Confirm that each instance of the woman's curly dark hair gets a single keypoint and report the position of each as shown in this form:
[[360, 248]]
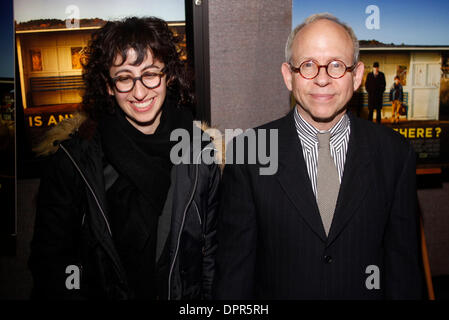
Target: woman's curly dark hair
[[116, 38]]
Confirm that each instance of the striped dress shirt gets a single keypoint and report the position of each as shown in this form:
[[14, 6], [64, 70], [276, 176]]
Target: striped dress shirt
[[309, 142]]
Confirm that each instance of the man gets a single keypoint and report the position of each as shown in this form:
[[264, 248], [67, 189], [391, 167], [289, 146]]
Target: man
[[375, 86], [334, 222]]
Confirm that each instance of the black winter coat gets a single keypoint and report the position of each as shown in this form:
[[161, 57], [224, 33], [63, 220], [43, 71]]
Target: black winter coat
[[72, 228]]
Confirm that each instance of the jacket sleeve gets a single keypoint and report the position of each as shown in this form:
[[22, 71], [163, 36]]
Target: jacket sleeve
[[56, 230], [210, 240], [237, 235], [403, 271]]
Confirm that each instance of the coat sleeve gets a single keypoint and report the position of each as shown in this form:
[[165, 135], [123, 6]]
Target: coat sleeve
[[210, 233], [56, 230], [237, 235], [403, 271]]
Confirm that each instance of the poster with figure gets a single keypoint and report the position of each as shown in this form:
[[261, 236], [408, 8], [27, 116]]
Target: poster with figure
[[36, 60], [77, 56], [393, 44]]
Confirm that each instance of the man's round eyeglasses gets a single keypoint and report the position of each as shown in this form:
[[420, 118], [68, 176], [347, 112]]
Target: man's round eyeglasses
[[150, 80], [310, 69]]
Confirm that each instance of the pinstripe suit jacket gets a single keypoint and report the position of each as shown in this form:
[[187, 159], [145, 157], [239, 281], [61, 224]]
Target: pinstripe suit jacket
[[271, 241]]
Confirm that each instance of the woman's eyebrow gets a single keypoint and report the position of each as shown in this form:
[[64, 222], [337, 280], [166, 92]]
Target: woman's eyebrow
[[123, 70], [152, 66], [147, 67]]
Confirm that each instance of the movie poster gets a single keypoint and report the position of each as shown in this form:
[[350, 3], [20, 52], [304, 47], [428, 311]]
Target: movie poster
[[51, 36], [7, 134], [409, 40]]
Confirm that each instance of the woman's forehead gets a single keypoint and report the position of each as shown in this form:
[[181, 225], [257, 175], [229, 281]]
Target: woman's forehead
[[131, 57]]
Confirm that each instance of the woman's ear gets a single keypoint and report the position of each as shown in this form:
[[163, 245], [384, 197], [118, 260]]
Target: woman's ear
[[108, 85], [110, 91], [170, 81]]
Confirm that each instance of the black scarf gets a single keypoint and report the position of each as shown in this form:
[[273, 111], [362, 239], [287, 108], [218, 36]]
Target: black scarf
[[144, 159], [137, 197]]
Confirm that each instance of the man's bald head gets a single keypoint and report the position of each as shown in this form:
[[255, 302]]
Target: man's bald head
[[317, 17]]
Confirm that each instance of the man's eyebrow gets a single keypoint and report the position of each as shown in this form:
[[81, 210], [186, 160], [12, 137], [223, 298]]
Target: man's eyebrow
[[303, 59], [146, 67]]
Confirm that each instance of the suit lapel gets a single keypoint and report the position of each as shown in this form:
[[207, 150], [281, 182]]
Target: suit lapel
[[293, 177], [355, 182]]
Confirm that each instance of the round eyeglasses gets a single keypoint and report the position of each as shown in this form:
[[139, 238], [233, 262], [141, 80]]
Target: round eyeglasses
[[150, 80], [310, 69]]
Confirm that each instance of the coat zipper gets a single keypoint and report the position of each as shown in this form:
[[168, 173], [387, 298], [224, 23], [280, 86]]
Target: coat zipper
[[197, 212], [183, 220], [96, 200], [90, 188], [180, 230]]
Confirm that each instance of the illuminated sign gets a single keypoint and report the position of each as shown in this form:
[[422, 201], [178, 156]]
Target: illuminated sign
[[416, 133], [47, 120], [430, 140]]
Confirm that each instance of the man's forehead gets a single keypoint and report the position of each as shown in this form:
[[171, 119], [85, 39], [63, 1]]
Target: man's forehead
[[323, 38], [324, 26]]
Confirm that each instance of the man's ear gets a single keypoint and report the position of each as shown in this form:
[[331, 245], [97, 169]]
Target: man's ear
[[287, 75], [358, 75]]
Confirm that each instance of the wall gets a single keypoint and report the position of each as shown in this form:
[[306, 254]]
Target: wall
[[247, 40]]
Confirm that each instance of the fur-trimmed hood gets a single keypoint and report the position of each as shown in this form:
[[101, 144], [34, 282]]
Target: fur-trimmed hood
[[82, 124]]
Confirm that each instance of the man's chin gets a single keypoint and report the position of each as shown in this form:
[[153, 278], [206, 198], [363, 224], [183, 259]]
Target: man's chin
[[327, 118]]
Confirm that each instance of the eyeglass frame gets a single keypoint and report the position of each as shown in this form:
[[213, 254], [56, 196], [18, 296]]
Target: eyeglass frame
[[326, 66], [159, 74]]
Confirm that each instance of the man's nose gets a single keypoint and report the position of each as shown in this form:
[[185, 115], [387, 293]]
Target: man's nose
[[322, 79]]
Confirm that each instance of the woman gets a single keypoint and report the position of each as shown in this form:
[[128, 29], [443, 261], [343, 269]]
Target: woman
[[112, 205]]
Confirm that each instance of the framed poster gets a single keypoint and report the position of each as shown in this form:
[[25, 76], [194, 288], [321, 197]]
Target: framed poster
[[36, 59], [77, 55]]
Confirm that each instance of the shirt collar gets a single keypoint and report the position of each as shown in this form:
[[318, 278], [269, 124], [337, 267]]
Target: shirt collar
[[310, 132]]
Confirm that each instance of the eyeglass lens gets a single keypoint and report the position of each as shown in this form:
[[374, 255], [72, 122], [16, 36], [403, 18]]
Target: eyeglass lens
[[310, 69], [127, 83]]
